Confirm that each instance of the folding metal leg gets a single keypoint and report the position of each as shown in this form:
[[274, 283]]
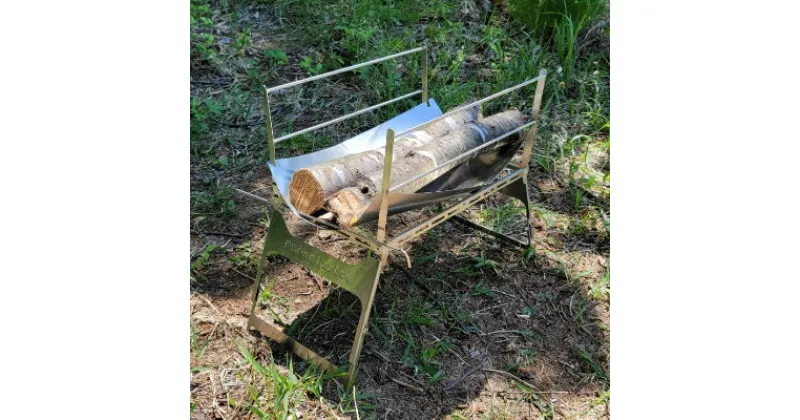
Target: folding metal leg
[[360, 279], [363, 322], [519, 190]]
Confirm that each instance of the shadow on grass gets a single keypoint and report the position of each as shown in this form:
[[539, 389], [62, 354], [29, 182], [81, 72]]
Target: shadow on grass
[[472, 320]]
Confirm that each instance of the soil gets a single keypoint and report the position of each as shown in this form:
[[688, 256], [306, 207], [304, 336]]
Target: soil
[[525, 321]]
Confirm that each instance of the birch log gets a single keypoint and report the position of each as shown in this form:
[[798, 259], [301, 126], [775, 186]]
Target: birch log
[[310, 187], [349, 203]]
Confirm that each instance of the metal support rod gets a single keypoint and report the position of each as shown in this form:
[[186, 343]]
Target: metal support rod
[[295, 346], [270, 133], [461, 156], [253, 196], [387, 173], [478, 102], [261, 272], [343, 70], [537, 102], [344, 117], [425, 77], [484, 229]]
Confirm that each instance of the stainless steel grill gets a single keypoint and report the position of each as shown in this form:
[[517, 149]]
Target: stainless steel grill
[[471, 177]]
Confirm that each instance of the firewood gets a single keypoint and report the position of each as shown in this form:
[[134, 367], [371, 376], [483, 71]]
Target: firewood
[[349, 203], [310, 187]]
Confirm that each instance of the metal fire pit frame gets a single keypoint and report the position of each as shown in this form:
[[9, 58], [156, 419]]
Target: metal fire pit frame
[[362, 279]]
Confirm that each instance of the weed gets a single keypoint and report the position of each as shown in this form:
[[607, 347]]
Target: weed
[[467, 270], [502, 217], [547, 163], [599, 289], [545, 296], [244, 257], [426, 258], [481, 290], [598, 120], [357, 403], [202, 43], [523, 358], [545, 16], [597, 370], [217, 202], [604, 398], [529, 254], [285, 390], [200, 14], [203, 47], [275, 58], [308, 65], [255, 77], [205, 255], [422, 358], [550, 218], [198, 349], [564, 37], [419, 313], [481, 262], [242, 42], [200, 114], [577, 196], [305, 143], [455, 317], [266, 293]]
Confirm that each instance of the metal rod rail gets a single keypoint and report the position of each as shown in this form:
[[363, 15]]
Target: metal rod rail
[[461, 156], [478, 102], [343, 70], [344, 117], [484, 229], [268, 114]]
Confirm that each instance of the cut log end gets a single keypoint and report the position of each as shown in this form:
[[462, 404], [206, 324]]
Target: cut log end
[[306, 192], [346, 204]]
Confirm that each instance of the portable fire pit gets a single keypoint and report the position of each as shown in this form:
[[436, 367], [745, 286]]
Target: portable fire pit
[[471, 177]]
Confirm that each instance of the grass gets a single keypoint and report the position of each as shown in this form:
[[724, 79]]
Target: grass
[[560, 21], [205, 255], [236, 47], [275, 394], [422, 358], [596, 370], [198, 348], [501, 217], [600, 288]]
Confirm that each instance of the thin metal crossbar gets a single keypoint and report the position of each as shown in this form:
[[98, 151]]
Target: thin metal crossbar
[[344, 117], [344, 70]]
